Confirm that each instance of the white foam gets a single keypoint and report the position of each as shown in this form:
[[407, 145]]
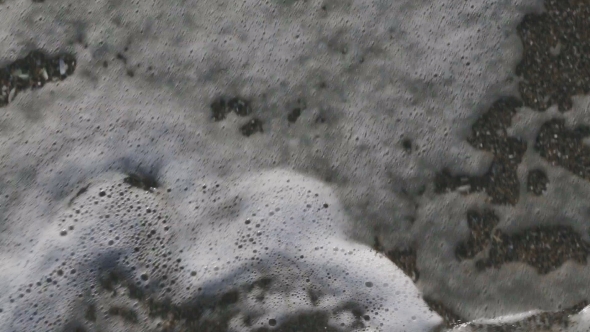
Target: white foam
[[298, 245]]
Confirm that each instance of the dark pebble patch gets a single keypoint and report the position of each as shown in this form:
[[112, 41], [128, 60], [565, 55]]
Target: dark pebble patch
[[537, 182], [222, 106], [219, 109], [251, 127], [545, 248], [489, 133], [33, 72], [481, 226], [148, 183], [555, 64], [565, 147], [239, 106]]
